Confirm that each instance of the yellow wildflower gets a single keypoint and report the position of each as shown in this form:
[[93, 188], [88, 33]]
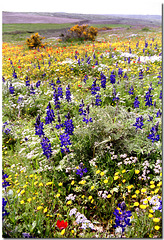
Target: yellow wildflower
[[82, 182], [45, 210], [49, 183], [143, 190], [142, 206], [98, 171], [137, 191], [116, 177], [109, 196], [62, 232], [136, 204], [23, 191], [40, 207], [156, 220], [157, 228], [106, 181], [72, 183]]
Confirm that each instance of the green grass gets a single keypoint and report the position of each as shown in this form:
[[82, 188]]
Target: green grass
[[111, 25], [26, 27]]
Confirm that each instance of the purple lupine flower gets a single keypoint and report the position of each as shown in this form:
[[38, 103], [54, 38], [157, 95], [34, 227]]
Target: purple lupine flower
[[11, 89], [148, 99], [80, 171], [120, 72], [141, 74], [69, 127], [159, 113], [46, 146], [81, 108], [56, 100], [65, 142], [14, 74], [60, 92], [95, 88], [153, 136], [112, 77], [146, 44], [39, 127], [38, 83], [26, 235], [122, 216], [5, 183], [68, 93], [50, 115], [136, 102], [60, 125], [85, 78], [87, 119], [88, 60], [115, 98], [139, 122], [103, 80], [4, 211], [58, 81], [150, 118], [27, 83], [131, 90], [32, 91], [160, 97], [98, 100], [7, 131], [125, 76]]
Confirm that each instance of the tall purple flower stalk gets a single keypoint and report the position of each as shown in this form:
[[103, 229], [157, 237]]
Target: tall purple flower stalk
[[139, 122], [39, 127], [46, 146], [69, 127], [122, 216], [68, 94], [153, 136], [65, 142], [50, 115], [87, 119], [103, 80]]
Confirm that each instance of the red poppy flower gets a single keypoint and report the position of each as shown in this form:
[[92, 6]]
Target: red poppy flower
[[61, 224], [79, 86]]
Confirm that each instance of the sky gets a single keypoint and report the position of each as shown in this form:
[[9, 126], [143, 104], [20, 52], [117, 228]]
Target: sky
[[143, 7]]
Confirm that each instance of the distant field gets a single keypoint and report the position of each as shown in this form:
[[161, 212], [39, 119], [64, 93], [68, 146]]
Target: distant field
[[111, 25], [28, 27]]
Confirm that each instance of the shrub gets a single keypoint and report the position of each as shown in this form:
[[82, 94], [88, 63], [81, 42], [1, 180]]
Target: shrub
[[83, 32], [35, 41]]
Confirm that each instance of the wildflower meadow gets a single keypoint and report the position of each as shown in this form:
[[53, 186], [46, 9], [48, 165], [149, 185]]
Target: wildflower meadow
[[82, 137]]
